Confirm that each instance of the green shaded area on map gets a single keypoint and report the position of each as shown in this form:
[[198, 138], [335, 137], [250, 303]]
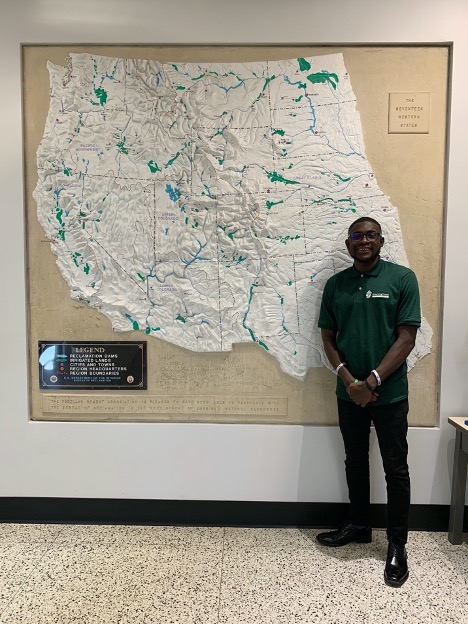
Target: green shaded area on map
[[101, 95], [303, 64], [323, 77], [273, 176]]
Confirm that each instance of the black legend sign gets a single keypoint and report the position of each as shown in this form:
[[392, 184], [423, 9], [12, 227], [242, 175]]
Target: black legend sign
[[67, 365]]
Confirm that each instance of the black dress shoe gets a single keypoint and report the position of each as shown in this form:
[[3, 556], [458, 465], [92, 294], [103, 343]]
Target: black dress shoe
[[396, 568], [348, 533]]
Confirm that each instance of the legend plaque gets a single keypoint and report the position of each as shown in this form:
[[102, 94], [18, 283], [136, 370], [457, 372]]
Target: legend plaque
[[66, 365]]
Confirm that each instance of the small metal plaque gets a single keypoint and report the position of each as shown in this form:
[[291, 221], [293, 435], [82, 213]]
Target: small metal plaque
[[66, 365]]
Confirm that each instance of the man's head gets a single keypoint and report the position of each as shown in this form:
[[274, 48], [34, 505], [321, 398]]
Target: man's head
[[365, 240]]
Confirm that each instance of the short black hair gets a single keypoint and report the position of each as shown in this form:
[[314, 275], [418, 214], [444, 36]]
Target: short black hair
[[364, 219]]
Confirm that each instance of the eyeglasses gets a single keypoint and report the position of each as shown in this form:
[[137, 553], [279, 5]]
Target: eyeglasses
[[371, 236]]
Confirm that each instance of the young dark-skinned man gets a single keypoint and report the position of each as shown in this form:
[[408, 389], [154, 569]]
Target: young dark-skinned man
[[369, 318]]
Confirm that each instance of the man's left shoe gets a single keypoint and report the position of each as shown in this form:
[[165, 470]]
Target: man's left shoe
[[396, 568]]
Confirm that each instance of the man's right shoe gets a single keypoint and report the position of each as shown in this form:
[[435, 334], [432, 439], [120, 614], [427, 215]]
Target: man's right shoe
[[396, 567], [345, 535]]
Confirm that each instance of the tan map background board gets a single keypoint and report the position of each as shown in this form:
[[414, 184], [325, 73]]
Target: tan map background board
[[247, 385]]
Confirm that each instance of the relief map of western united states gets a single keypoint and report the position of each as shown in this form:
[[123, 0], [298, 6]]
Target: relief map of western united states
[[207, 204]]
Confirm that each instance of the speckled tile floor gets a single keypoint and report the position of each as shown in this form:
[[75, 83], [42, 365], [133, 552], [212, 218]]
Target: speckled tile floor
[[64, 574]]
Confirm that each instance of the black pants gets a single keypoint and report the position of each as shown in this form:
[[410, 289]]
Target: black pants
[[391, 425]]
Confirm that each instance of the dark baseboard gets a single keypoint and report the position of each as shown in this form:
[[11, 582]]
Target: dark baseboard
[[206, 513]]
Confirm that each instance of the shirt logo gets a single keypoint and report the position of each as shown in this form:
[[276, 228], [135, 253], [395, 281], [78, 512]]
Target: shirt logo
[[372, 295]]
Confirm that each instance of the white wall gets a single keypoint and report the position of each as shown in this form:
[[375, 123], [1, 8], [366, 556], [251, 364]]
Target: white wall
[[223, 462]]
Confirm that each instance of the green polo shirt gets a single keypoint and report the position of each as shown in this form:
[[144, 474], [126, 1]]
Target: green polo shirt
[[365, 309]]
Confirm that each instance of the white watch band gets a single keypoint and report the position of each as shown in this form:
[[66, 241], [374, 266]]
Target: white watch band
[[377, 376]]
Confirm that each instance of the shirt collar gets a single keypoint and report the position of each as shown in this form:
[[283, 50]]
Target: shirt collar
[[373, 272]]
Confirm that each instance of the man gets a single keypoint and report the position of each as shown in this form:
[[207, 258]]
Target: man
[[369, 318]]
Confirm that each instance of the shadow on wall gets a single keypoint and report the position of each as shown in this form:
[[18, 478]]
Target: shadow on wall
[[319, 445]]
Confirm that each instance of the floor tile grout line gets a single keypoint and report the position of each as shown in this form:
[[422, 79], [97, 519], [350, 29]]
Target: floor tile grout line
[[49, 545], [221, 576]]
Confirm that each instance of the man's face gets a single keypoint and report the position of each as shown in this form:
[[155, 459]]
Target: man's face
[[360, 246]]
